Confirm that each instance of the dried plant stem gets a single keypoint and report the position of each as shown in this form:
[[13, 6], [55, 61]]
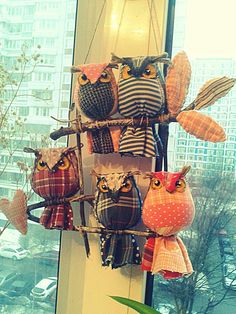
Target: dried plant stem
[[93, 125], [4, 227]]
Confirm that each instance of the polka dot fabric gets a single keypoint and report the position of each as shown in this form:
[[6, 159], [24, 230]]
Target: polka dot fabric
[[167, 209]]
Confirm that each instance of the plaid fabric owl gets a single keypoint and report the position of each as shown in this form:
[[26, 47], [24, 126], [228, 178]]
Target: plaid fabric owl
[[96, 97], [140, 95], [118, 206], [167, 209], [55, 176]]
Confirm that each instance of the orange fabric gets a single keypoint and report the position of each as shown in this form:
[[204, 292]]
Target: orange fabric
[[201, 126], [148, 254], [177, 82], [115, 135], [170, 258], [15, 211]]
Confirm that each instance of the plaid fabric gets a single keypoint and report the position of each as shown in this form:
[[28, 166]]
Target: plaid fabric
[[119, 250], [170, 258], [177, 82], [15, 211], [123, 213], [148, 254], [201, 126], [138, 142], [57, 217], [56, 184], [102, 141]]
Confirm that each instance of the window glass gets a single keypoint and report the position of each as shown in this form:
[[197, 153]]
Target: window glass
[[204, 30], [34, 36]]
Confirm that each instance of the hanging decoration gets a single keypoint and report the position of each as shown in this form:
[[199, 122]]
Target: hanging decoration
[[140, 94], [55, 176], [15, 211], [117, 206], [167, 209], [95, 96]]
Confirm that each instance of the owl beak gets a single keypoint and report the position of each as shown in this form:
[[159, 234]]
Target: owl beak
[[115, 196]]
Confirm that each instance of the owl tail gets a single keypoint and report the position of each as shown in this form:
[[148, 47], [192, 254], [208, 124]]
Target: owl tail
[[170, 257], [138, 142], [100, 141], [57, 217], [119, 250]]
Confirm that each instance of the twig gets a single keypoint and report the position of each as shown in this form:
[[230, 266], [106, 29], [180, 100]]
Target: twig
[[4, 227], [108, 231]]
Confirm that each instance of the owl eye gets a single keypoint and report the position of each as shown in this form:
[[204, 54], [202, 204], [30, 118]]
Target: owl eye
[[150, 72], [83, 80], [105, 77], [63, 164], [126, 72], [102, 185], [180, 185], [41, 165], [156, 184], [126, 186]]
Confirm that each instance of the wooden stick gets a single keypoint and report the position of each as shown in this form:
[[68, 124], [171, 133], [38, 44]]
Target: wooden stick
[[4, 227], [109, 231], [93, 125]]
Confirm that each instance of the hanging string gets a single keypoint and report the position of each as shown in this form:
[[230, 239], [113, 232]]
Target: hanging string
[[119, 26], [153, 27], [95, 30], [157, 24], [149, 30]]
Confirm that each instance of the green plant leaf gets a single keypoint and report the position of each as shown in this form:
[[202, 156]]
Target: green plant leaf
[[137, 306]]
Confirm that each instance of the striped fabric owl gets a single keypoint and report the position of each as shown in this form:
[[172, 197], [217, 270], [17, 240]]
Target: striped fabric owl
[[168, 208], [96, 97], [140, 94], [118, 206], [54, 177]]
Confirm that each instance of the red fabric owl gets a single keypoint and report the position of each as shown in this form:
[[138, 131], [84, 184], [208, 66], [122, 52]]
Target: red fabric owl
[[167, 209], [54, 177]]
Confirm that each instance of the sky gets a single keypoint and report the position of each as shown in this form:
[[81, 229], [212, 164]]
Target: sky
[[211, 28]]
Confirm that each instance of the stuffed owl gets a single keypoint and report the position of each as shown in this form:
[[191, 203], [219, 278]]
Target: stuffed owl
[[118, 206], [96, 97], [140, 95], [55, 176], [167, 209]]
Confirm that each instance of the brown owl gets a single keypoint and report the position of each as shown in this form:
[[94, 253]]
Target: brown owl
[[167, 209], [96, 97], [55, 176]]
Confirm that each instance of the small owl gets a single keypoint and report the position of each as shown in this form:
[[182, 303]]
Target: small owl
[[140, 95], [96, 97], [118, 206], [54, 177], [167, 209]]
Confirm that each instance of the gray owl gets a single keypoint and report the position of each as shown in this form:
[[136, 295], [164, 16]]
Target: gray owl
[[96, 97], [118, 206], [140, 95]]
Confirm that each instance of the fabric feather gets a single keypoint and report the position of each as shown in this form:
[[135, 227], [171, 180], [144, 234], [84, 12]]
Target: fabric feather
[[201, 126], [211, 91], [177, 82]]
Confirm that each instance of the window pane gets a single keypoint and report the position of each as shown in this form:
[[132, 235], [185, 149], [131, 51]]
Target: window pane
[[36, 45], [206, 37]]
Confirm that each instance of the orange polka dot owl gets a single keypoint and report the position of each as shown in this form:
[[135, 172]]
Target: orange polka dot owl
[[167, 209]]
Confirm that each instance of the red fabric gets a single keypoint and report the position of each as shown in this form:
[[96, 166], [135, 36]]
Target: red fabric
[[148, 254]]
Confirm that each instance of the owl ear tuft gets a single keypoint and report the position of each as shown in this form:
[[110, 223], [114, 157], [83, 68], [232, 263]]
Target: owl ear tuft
[[113, 65], [134, 173], [75, 69], [185, 170], [148, 175], [163, 58], [31, 151], [94, 173], [115, 59]]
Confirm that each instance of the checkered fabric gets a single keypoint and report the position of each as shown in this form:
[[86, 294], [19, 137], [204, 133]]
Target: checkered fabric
[[52, 184], [122, 213], [102, 141], [201, 126], [57, 217], [166, 211], [139, 97]]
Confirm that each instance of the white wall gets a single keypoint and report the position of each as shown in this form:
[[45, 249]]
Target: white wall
[[84, 285]]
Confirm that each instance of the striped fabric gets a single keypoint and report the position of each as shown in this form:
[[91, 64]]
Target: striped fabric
[[52, 185], [139, 97], [213, 90], [201, 126], [123, 213]]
